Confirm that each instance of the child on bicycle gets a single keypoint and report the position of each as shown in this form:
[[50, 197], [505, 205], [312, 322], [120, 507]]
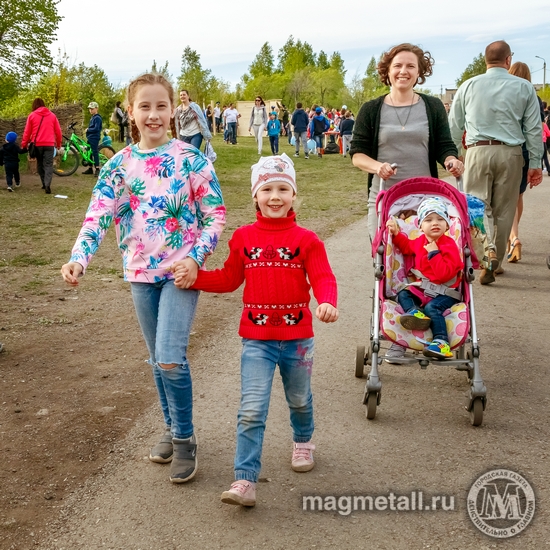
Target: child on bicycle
[[167, 205], [93, 135], [278, 260], [437, 260]]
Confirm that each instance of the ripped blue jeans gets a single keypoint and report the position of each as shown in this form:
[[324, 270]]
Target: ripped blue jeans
[[258, 363], [165, 314]]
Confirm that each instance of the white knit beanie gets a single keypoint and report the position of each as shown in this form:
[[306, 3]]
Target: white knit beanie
[[270, 169]]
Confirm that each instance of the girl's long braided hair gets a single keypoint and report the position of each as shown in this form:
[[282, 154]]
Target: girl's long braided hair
[[148, 79]]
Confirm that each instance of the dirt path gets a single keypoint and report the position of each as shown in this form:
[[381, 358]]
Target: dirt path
[[421, 439]]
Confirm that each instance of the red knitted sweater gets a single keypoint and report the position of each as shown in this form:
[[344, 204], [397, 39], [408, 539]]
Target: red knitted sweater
[[276, 257]]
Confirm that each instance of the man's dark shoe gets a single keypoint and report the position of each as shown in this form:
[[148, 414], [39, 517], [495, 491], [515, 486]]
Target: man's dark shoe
[[184, 461], [48, 190], [90, 171]]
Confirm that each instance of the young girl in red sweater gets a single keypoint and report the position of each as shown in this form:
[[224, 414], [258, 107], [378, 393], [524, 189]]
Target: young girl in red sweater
[[278, 260]]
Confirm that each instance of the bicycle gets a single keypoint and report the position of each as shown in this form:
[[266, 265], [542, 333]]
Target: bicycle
[[69, 156]]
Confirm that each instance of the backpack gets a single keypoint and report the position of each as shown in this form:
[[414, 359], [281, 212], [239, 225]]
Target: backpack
[[332, 148]]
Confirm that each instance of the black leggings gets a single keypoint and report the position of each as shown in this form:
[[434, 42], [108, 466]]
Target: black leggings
[[545, 157]]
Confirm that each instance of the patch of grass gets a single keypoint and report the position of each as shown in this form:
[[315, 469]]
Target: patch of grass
[[38, 229], [24, 260]]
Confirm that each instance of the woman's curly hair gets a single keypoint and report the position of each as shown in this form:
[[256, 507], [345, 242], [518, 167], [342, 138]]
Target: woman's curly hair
[[425, 62]]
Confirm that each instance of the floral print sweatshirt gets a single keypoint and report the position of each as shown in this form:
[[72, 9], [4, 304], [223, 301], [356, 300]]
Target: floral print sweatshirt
[[166, 203]]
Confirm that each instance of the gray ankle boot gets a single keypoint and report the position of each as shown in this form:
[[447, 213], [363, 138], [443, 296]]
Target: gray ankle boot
[[162, 452], [184, 460]]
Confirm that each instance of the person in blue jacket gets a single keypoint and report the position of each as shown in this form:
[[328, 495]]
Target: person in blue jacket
[[273, 131], [299, 122], [93, 135], [9, 158], [317, 127]]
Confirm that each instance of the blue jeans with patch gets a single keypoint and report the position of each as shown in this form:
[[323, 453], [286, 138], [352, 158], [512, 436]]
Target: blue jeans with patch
[[434, 309], [258, 363], [165, 314]]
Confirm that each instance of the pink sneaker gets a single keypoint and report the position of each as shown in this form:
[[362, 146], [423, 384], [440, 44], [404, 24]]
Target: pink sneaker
[[241, 492], [302, 457]]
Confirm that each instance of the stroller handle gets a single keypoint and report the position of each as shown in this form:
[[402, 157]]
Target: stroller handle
[[382, 181], [459, 183]]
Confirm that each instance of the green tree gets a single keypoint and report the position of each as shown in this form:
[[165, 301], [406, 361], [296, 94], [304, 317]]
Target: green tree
[[337, 63], [294, 56], [300, 86], [372, 86], [26, 30], [327, 85], [264, 63], [322, 61], [163, 70], [476, 67], [67, 83], [200, 82]]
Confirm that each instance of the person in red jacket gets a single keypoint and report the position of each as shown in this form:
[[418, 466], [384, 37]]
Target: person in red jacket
[[42, 129], [436, 260], [279, 262]]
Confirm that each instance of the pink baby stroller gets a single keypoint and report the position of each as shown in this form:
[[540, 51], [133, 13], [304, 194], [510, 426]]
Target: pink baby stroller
[[391, 270]]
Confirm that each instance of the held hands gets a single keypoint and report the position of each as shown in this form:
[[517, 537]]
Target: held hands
[[326, 313], [385, 171], [454, 166], [185, 272], [71, 272]]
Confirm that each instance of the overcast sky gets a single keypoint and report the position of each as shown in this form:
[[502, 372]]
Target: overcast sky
[[123, 37]]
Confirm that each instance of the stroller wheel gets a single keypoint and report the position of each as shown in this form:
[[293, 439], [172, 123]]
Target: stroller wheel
[[476, 412], [360, 362], [372, 402]]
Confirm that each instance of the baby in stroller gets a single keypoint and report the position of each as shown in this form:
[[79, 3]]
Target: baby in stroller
[[437, 269]]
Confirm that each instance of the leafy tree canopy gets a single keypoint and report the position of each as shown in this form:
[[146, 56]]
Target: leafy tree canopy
[[475, 68], [322, 61], [66, 82], [26, 30], [294, 56], [263, 63]]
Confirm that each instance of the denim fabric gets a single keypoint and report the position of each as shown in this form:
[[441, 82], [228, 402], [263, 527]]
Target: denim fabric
[[434, 309], [232, 135], [94, 146], [274, 142], [319, 141], [301, 136], [258, 362], [165, 314], [195, 140]]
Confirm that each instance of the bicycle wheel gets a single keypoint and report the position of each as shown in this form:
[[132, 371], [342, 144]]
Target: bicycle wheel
[[106, 152], [66, 161]]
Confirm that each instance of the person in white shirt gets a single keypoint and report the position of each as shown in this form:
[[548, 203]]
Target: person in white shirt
[[231, 117]]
